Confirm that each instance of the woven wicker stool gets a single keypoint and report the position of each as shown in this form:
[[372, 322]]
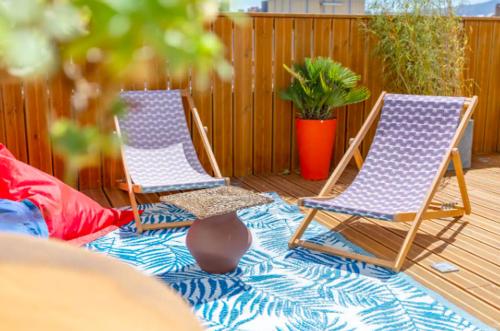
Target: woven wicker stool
[[217, 239]]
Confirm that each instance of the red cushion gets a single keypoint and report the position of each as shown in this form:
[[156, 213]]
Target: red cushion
[[68, 213]]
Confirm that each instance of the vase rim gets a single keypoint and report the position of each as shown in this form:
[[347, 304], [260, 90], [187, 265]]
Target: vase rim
[[315, 120]]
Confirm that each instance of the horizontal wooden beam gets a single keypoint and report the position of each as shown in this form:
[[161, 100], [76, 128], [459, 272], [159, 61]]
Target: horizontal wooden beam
[[122, 185], [430, 214], [337, 16], [335, 251], [166, 225]]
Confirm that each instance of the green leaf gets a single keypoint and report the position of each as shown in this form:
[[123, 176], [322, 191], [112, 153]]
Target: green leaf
[[28, 52], [63, 21]]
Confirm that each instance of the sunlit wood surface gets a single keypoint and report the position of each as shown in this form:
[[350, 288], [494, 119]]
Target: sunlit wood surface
[[471, 243], [48, 285]]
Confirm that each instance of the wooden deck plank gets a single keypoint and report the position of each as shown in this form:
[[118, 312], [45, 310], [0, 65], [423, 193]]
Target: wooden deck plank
[[118, 198], [147, 198]]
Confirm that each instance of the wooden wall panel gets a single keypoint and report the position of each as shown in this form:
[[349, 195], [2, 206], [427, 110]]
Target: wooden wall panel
[[302, 48], [60, 106], [3, 134], [14, 122], [182, 83], [202, 98], [157, 80], [359, 58], [223, 104], [250, 127], [263, 97], [283, 112], [112, 170], [112, 166], [322, 37], [37, 125], [482, 72], [495, 82], [491, 94], [91, 177], [373, 80], [341, 29], [243, 100]]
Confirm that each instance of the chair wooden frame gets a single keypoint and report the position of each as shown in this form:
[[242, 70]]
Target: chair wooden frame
[[428, 210], [132, 189]]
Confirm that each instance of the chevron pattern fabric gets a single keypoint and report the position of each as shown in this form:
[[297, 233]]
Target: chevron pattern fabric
[[275, 288], [410, 143], [158, 150]]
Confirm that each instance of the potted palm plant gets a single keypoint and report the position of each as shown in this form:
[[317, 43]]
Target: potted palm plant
[[318, 86]]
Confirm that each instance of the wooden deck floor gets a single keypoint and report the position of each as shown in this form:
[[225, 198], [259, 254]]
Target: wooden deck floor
[[472, 243]]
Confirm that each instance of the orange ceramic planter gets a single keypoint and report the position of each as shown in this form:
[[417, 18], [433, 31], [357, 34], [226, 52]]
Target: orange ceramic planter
[[315, 141]]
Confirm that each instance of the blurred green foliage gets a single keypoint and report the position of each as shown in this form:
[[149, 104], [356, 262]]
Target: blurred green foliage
[[101, 45]]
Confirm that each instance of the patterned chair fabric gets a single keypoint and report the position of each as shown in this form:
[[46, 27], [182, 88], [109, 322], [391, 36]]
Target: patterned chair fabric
[[158, 149], [412, 137]]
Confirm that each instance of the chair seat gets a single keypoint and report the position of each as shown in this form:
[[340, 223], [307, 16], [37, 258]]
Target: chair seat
[[358, 207], [375, 196], [412, 138], [166, 169], [207, 182]]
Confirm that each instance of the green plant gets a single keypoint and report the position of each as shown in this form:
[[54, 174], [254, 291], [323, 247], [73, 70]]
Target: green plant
[[319, 85], [422, 46], [102, 45]]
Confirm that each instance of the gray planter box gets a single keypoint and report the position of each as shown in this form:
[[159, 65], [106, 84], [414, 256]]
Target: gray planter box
[[465, 147]]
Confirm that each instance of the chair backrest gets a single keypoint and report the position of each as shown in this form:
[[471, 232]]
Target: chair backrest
[[412, 138], [156, 120]]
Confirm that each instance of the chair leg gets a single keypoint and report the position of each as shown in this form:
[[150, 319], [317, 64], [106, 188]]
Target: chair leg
[[392, 264], [343, 253], [405, 248], [459, 172], [302, 228], [135, 211]]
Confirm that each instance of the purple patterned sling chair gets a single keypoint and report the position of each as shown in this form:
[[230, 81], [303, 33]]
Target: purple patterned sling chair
[[157, 150], [416, 138]]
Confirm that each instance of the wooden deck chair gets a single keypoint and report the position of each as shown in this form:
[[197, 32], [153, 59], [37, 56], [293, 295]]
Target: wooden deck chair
[[415, 140], [157, 151]]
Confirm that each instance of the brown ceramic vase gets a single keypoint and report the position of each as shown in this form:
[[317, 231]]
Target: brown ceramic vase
[[217, 243]]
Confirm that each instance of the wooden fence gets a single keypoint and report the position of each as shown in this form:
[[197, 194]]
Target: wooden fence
[[250, 127]]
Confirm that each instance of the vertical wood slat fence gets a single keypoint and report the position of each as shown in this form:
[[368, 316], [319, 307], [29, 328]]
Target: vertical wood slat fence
[[250, 127]]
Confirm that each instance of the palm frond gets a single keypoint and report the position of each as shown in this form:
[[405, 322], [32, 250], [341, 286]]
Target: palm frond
[[319, 85]]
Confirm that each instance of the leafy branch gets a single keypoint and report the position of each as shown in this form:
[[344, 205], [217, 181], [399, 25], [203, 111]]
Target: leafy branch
[[101, 46]]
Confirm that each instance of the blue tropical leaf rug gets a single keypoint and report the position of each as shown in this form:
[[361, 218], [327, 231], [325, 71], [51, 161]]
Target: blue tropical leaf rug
[[279, 289]]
